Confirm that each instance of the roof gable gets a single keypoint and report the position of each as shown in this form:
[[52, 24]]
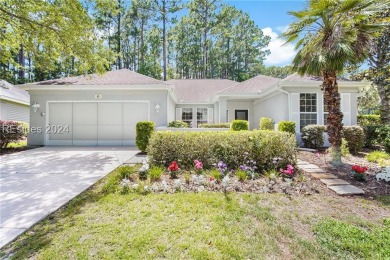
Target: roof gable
[[253, 85], [13, 93]]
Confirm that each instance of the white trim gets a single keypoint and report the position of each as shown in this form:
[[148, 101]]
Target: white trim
[[2, 97], [85, 142]]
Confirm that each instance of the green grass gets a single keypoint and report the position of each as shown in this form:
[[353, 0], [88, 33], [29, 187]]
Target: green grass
[[102, 223], [17, 144]]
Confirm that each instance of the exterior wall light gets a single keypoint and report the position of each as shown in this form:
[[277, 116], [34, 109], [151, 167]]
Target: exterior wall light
[[157, 108], [35, 107]]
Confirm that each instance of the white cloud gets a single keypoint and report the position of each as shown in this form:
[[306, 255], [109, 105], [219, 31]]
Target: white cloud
[[280, 55]]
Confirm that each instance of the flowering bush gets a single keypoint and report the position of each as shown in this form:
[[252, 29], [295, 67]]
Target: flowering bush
[[249, 166], [143, 171], [222, 167], [289, 171], [359, 172], [198, 166], [173, 169]]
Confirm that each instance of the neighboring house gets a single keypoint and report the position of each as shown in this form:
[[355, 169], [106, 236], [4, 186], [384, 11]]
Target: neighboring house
[[103, 110], [14, 103]]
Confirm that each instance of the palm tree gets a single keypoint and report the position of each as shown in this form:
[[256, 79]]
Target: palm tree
[[330, 35]]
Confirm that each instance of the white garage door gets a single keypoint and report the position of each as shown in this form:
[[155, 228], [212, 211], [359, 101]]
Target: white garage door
[[94, 123]]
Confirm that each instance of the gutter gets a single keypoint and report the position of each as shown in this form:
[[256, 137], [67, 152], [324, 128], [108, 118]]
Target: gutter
[[288, 100]]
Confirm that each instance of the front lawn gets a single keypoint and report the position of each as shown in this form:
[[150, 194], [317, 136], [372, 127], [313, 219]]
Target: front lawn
[[206, 225]]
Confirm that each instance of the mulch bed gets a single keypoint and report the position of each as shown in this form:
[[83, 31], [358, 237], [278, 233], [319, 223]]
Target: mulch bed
[[371, 186]]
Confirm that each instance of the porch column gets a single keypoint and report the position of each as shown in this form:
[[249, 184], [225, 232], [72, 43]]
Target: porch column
[[222, 110]]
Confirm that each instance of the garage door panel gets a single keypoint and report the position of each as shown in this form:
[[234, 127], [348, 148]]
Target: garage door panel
[[110, 132], [60, 113], [135, 112], [85, 132], [110, 113], [129, 132], [59, 133], [85, 113]]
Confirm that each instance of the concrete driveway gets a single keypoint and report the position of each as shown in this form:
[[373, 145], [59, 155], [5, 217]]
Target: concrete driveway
[[36, 182]]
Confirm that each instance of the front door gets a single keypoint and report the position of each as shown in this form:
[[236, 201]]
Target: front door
[[241, 115]]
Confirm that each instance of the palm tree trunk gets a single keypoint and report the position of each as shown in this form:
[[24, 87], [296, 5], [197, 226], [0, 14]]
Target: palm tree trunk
[[335, 117]]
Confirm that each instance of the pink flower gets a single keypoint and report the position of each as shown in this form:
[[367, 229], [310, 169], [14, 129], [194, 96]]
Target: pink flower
[[198, 165]]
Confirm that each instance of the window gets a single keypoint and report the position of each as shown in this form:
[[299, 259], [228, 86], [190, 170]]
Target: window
[[201, 116], [241, 115], [308, 109], [187, 116]]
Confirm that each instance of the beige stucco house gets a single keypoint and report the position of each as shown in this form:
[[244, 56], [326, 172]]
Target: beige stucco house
[[103, 109]]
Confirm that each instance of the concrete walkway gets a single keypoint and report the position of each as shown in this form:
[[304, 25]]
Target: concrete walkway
[[36, 182], [339, 186]]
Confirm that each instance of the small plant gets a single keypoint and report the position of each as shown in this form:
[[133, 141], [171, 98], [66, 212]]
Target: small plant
[[222, 167], [187, 178], [143, 171], [216, 174], [241, 175], [143, 132], [313, 136], [126, 172], [155, 173], [359, 172], [249, 166], [198, 166], [272, 174], [239, 125], [173, 169], [287, 126], [376, 156], [178, 124], [266, 123], [288, 172]]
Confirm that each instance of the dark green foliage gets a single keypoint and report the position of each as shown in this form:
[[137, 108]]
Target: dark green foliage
[[384, 136], [287, 126], [227, 146], [12, 131], [240, 125], [178, 124], [313, 136], [371, 135], [217, 125], [266, 123], [143, 130], [364, 120], [354, 135]]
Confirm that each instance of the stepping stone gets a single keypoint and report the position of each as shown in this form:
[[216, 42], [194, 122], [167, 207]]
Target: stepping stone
[[332, 182], [299, 162], [308, 166], [346, 189], [314, 170], [323, 176]]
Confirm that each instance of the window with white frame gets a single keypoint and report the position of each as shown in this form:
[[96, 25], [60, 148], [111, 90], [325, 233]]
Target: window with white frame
[[308, 109], [201, 116], [187, 116]]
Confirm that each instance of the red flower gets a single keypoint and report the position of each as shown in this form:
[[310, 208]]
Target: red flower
[[173, 166], [359, 169]]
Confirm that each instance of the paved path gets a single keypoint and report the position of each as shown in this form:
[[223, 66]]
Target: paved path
[[339, 186], [36, 182]]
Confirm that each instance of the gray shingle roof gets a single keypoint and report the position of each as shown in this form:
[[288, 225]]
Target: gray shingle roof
[[297, 77], [250, 86], [199, 90], [116, 77], [11, 92]]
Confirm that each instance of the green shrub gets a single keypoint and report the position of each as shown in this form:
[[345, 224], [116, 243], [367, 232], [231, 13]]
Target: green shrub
[[217, 175], [240, 125], [12, 131], [219, 125], [115, 177], [143, 131], [241, 175], [287, 126], [364, 120], [229, 147], [125, 172], [376, 156], [155, 173], [313, 136], [178, 124], [384, 136], [354, 135], [371, 135], [266, 123]]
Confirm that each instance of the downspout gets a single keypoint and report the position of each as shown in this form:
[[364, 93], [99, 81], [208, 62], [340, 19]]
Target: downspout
[[288, 100]]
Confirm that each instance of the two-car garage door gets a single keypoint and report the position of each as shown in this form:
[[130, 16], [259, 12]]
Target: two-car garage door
[[94, 123]]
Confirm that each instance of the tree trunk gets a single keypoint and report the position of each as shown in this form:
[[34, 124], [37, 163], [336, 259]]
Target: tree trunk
[[164, 40], [22, 64], [119, 36], [335, 117], [384, 94]]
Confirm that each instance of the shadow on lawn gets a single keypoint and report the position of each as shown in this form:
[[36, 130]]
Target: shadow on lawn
[[40, 235]]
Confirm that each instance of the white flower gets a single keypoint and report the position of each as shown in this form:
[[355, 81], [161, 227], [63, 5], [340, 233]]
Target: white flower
[[200, 188], [145, 166], [155, 187], [164, 185], [135, 186], [146, 188], [177, 184], [225, 181], [125, 182]]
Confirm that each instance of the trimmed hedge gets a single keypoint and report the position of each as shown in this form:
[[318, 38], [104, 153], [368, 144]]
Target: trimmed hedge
[[12, 131], [384, 136], [217, 125], [354, 135], [178, 124], [313, 136], [287, 126], [364, 120], [240, 125], [371, 135], [230, 147], [144, 130], [266, 123]]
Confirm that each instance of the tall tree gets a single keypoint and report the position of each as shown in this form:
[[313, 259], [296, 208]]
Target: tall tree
[[330, 35]]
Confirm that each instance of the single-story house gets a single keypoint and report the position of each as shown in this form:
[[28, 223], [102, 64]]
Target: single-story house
[[103, 109], [14, 103]]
